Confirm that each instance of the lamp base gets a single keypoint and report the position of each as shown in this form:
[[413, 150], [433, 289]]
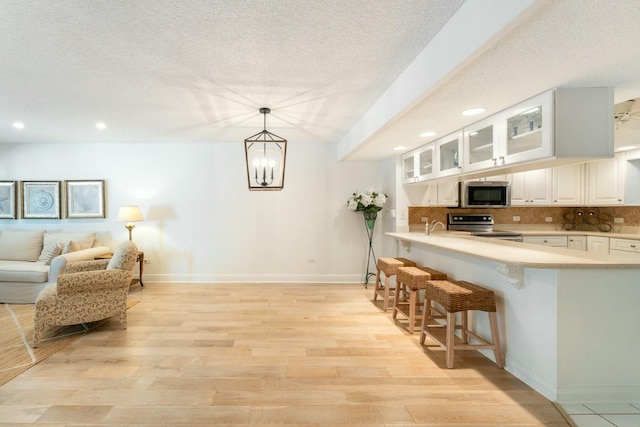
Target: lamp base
[[129, 227]]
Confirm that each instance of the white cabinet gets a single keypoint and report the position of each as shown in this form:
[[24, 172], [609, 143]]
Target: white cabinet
[[481, 141], [605, 181], [449, 155], [577, 242], [556, 241], [567, 185], [627, 248], [531, 188], [559, 124], [598, 244], [417, 165], [448, 193]]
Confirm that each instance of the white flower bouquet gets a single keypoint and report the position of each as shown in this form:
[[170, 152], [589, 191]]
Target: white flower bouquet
[[368, 202]]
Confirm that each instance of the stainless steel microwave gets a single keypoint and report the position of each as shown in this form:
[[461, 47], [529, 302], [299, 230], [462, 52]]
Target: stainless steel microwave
[[485, 194]]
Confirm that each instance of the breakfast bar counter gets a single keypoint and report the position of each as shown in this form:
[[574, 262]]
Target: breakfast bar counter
[[570, 319]]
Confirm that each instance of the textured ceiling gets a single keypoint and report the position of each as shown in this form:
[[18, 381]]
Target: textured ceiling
[[198, 70]]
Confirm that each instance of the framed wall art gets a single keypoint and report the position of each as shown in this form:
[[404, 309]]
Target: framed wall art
[[8, 200], [84, 199], [40, 199]]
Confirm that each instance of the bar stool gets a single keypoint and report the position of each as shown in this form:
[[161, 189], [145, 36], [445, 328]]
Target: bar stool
[[388, 267], [460, 296], [411, 280]]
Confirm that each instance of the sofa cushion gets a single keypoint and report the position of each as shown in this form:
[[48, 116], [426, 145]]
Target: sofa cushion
[[23, 271], [82, 241], [53, 252], [21, 245]]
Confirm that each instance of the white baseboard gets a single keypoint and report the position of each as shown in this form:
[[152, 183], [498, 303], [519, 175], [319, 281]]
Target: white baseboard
[[254, 278]]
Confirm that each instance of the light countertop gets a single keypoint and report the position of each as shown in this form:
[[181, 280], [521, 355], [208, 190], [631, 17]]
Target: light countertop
[[518, 253]]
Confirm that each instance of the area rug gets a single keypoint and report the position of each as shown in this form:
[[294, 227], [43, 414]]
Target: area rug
[[16, 332]]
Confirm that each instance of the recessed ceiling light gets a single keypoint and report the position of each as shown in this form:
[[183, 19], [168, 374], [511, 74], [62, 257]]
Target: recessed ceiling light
[[428, 134], [101, 126], [473, 111], [400, 148], [18, 125]]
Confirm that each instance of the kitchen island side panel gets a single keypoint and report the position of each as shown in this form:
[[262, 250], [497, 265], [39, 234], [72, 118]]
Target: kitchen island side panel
[[599, 335]]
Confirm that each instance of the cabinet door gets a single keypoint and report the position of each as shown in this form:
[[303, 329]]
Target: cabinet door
[[577, 242], [409, 168], [448, 194], [529, 133], [531, 188], [606, 181], [448, 155], [480, 141], [425, 163], [568, 185], [597, 244]]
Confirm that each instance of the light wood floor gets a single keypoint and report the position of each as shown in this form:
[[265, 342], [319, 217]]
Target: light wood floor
[[238, 354]]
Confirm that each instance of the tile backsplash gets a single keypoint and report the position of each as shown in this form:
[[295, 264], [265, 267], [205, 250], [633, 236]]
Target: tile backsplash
[[535, 216]]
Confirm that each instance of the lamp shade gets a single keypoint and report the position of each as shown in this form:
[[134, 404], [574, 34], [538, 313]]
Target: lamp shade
[[130, 214]]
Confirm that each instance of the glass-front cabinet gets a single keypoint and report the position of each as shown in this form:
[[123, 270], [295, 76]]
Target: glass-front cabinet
[[519, 134], [482, 141], [449, 155], [417, 165], [529, 130]]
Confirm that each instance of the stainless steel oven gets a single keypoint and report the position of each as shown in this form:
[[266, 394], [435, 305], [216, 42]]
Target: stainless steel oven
[[480, 225]]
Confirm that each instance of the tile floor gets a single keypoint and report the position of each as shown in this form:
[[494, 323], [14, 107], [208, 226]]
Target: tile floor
[[604, 414]]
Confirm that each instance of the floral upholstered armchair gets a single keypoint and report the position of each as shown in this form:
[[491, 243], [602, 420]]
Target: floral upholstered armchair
[[87, 291]]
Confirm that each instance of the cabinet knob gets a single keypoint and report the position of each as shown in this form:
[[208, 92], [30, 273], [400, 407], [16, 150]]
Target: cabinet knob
[[619, 200], [545, 241], [633, 246]]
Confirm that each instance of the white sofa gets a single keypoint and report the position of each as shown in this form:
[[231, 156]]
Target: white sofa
[[31, 259]]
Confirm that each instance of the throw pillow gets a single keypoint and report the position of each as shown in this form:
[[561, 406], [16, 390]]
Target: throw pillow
[[54, 251], [70, 246], [83, 239], [20, 245]]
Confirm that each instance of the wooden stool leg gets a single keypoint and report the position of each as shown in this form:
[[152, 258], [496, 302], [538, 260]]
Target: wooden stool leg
[[465, 326], [495, 336], [396, 299], [387, 281], [450, 331], [412, 309], [426, 318], [377, 286]]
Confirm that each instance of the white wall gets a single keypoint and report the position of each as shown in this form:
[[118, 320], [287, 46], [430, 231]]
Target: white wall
[[201, 222]]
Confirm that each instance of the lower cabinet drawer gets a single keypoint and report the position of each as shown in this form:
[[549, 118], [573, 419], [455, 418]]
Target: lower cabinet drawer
[[626, 245], [559, 241]]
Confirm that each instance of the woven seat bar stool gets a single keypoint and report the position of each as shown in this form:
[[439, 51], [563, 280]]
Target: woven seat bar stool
[[388, 267], [460, 296], [411, 280]]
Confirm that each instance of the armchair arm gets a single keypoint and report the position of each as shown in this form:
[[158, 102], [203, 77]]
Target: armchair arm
[[86, 281], [59, 263], [76, 267]]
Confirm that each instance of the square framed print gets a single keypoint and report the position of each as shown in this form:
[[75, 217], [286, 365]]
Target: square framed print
[[8, 200], [85, 199], [40, 199]]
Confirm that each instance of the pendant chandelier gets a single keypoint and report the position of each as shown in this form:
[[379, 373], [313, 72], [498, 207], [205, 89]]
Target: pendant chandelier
[[265, 155]]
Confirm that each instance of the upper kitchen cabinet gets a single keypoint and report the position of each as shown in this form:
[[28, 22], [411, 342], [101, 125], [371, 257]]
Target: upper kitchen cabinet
[[481, 142], [567, 185], [605, 181], [417, 165], [531, 188], [448, 155], [565, 124]]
